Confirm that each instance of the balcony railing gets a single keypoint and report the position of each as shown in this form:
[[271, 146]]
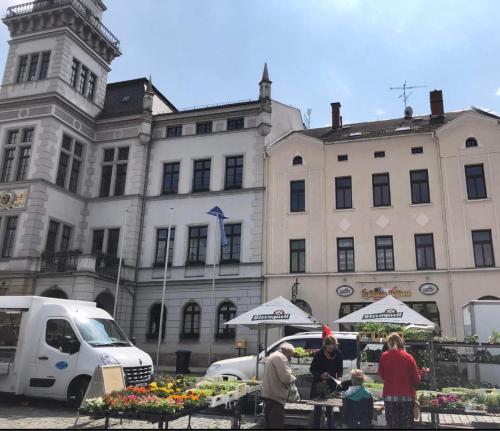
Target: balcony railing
[[59, 262], [106, 265], [84, 11]]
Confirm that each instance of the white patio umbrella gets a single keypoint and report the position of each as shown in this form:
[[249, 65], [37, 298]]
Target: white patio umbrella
[[277, 312], [387, 310]]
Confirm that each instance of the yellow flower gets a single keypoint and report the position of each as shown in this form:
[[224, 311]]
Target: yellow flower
[[153, 385]]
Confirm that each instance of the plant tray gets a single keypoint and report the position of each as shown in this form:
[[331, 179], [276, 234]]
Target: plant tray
[[218, 400], [252, 389]]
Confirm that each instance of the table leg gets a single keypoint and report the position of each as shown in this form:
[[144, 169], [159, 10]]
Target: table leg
[[106, 422], [189, 423]]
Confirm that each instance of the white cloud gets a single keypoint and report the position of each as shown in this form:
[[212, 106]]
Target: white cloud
[[498, 91]]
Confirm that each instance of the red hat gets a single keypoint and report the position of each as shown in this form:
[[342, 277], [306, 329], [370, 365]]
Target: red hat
[[326, 331]]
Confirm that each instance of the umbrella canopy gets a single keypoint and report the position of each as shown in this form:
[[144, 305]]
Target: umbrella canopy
[[277, 312], [387, 310]]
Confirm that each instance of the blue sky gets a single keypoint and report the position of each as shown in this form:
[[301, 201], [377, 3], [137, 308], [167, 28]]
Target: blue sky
[[318, 51]]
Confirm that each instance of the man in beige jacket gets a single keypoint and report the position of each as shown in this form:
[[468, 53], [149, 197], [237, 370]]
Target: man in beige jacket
[[275, 386]]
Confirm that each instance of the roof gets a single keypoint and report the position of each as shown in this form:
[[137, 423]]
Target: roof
[[384, 128], [126, 98]]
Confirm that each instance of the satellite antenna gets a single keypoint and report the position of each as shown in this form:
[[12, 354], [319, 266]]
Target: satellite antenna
[[405, 96]]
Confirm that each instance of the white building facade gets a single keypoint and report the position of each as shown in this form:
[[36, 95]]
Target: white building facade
[[89, 168]]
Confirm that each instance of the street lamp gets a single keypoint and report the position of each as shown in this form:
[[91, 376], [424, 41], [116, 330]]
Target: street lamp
[[295, 289]]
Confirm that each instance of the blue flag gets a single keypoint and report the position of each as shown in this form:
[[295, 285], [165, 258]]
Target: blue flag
[[217, 212]]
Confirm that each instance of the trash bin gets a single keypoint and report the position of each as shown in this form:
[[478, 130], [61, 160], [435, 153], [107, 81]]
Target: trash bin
[[182, 361]]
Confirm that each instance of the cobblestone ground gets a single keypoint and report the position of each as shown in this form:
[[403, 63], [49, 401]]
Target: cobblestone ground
[[18, 413]]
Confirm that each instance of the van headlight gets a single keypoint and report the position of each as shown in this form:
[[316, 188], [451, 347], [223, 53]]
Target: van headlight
[[108, 360]]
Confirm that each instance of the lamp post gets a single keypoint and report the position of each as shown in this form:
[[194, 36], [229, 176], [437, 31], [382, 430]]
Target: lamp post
[[295, 289]]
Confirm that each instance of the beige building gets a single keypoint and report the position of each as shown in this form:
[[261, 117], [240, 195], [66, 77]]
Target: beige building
[[410, 205]]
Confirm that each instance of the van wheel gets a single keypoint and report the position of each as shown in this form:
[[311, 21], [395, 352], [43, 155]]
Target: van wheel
[[77, 390]]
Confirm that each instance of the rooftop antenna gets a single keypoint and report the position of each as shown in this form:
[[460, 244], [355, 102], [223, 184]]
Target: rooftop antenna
[[307, 118], [405, 96]]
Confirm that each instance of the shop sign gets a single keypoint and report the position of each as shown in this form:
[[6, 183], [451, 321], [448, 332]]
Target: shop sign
[[277, 315], [345, 291], [428, 289], [378, 293]]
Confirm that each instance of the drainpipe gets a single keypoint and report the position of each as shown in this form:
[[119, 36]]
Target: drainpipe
[[141, 231], [446, 240]]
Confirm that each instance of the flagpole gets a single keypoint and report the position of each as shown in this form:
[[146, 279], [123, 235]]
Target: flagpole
[[120, 264], [212, 314], [160, 331]]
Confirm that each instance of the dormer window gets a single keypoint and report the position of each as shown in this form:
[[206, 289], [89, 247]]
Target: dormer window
[[470, 142], [297, 160]]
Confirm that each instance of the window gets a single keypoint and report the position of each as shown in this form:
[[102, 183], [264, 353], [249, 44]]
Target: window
[[297, 160], [424, 251], [379, 154], [171, 178], [113, 240], [234, 172], [21, 72], [297, 196], [33, 67], [348, 308], [384, 253], [483, 248], [343, 193], [298, 255], [58, 237], [470, 142], [154, 322], [476, 186], [231, 252], [97, 241], [91, 86], [201, 177], [9, 236], [345, 254], [174, 131], [44, 67], [417, 150], [13, 149], [235, 123], [114, 171], [342, 158], [419, 183], [70, 161], [427, 309], [74, 72], [381, 190], [202, 128], [197, 246], [225, 313], [82, 84], [58, 332], [161, 246], [191, 321]]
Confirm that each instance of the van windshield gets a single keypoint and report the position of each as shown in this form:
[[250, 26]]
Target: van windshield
[[101, 332]]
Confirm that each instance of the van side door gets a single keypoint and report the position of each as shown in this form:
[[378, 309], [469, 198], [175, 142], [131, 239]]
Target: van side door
[[55, 361]]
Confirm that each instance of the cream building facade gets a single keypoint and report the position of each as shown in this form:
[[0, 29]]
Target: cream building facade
[[89, 168], [410, 205]]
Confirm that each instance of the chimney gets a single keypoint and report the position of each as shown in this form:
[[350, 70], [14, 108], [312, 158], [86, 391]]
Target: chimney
[[437, 107], [336, 118]]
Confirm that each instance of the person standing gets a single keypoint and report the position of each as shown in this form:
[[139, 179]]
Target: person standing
[[327, 362], [357, 405], [275, 386], [398, 370]]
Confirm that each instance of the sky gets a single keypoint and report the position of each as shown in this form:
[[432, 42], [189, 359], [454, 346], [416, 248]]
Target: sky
[[201, 52]]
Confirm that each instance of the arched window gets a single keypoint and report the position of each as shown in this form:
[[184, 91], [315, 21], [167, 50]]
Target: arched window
[[489, 298], [106, 301], [470, 142], [54, 292], [297, 160], [154, 322], [305, 307], [226, 312], [191, 321]]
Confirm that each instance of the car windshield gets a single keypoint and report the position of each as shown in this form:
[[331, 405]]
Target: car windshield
[[101, 332]]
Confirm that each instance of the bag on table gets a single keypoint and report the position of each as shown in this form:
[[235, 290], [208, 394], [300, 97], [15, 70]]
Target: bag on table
[[293, 394]]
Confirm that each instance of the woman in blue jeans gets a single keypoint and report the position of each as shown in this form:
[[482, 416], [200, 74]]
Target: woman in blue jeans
[[327, 362]]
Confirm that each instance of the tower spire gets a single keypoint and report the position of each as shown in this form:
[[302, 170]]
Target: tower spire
[[265, 84]]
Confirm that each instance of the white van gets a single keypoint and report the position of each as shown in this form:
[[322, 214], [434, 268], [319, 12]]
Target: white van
[[50, 347]]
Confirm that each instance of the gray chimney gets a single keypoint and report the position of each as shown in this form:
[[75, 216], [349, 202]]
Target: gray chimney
[[336, 118], [437, 106]]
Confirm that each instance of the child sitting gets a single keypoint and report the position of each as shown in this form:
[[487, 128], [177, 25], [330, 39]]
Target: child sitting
[[357, 406]]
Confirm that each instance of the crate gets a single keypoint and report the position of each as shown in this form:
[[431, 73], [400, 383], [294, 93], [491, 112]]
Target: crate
[[218, 400]]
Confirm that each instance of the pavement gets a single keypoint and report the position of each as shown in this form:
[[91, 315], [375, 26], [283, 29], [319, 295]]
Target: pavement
[[23, 412]]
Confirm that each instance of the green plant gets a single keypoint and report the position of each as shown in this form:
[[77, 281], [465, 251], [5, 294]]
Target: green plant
[[495, 337], [371, 327], [472, 338]]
